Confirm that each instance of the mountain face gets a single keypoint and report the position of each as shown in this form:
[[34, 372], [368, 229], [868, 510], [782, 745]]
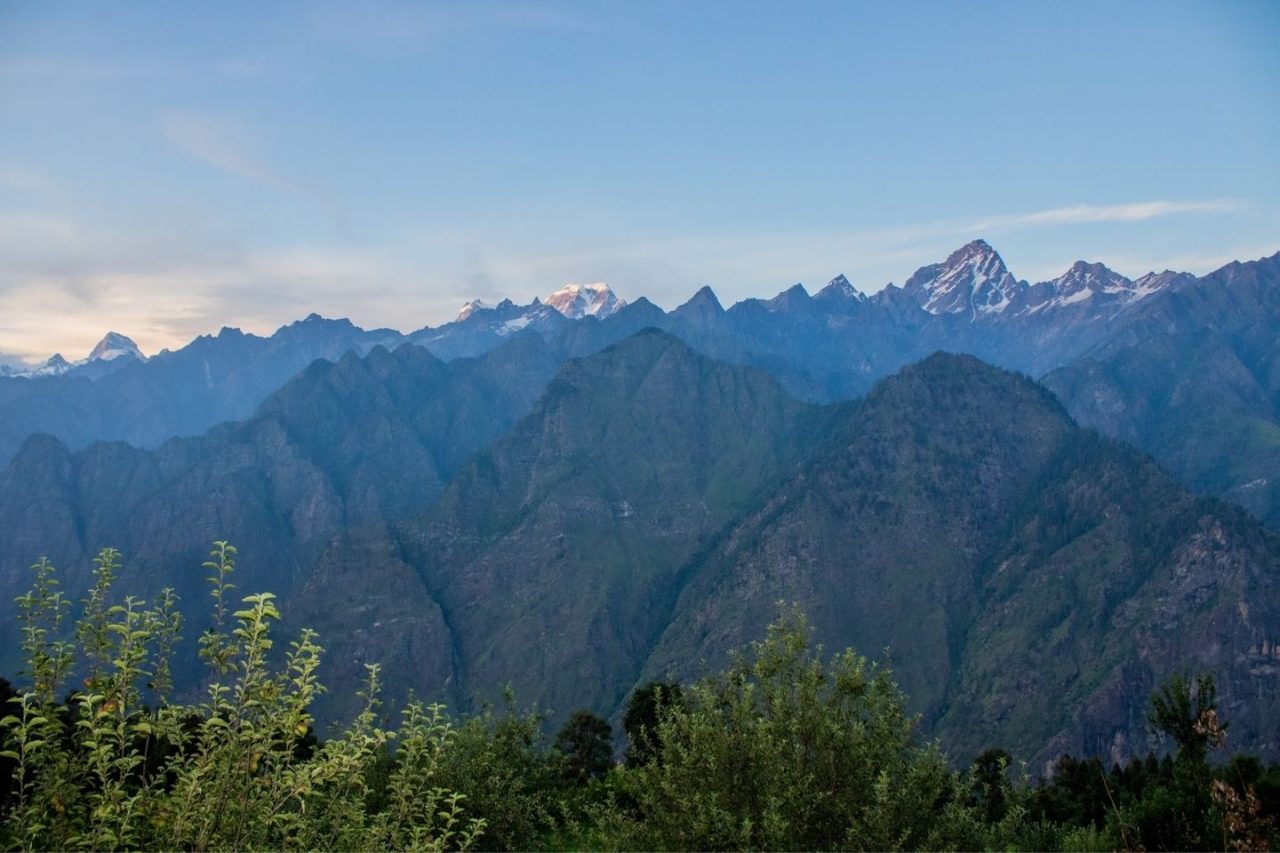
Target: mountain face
[[347, 444], [1031, 581], [469, 525], [1194, 380], [957, 517], [549, 556], [973, 281], [114, 346]]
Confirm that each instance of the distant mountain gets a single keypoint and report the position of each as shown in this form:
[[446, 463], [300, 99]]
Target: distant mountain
[[480, 328], [828, 346], [56, 365], [113, 351], [1093, 284], [211, 380], [116, 345], [576, 301], [973, 281]]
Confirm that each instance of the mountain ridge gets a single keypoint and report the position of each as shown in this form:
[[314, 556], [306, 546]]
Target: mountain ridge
[[829, 346], [644, 506]]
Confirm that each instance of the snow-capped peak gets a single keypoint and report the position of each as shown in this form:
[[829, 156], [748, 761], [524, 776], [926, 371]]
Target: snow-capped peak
[[469, 308], [1091, 289], [1095, 277], [585, 300], [55, 366], [115, 345], [972, 280]]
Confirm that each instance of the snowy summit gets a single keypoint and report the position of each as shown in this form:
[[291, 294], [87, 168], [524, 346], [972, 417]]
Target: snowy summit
[[469, 308], [973, 280], [576, 301], [113, 346], [116, 345]]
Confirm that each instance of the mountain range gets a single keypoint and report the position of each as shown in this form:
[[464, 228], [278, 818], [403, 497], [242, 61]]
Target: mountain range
[[580, 494], [829, 346]]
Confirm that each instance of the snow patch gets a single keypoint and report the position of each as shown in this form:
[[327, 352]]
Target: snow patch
[[514, 325]]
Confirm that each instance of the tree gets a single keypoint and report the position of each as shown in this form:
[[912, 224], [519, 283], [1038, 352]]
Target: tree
[[585, 747], [789, 750], [991, 783], [1188, 714], [1179, 813], [644, 712]]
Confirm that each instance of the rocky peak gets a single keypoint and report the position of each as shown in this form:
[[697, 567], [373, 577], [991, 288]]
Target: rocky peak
[[1094, 277], [1156, 281], [839, 286], [973, 280], [702, 302], [1087, 287], [115, 345], [792, 297]]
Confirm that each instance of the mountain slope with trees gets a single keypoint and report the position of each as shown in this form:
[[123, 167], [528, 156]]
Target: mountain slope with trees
[[360, 441]]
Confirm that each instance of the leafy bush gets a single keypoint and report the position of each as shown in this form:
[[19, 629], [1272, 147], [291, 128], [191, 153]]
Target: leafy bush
[[786, 750], [104, 771]]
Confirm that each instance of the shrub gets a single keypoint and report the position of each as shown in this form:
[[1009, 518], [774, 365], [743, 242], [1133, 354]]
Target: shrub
[[786, 750], [240, 770]]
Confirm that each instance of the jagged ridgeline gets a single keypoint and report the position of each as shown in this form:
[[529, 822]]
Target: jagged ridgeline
[[1183, 367], [576, 530]]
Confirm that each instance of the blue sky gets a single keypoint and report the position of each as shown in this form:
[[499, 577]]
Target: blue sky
[[170, 168]]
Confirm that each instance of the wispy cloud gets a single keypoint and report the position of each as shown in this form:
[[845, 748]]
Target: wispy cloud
[[1077, 214], [165, 296], [226, 145]]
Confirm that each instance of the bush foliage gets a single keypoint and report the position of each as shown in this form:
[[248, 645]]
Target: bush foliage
[[785, 749]]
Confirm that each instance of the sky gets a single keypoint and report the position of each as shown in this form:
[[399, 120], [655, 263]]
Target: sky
[[167, 169]]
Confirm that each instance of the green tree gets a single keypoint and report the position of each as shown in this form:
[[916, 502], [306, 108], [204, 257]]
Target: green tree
[[496, 760], [1179, 813], [584, 744], [644, 711], [989, 791], [789, 750], [1187, 713]]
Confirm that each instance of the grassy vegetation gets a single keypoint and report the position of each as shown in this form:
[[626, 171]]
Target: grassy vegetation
[[786, 748]]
